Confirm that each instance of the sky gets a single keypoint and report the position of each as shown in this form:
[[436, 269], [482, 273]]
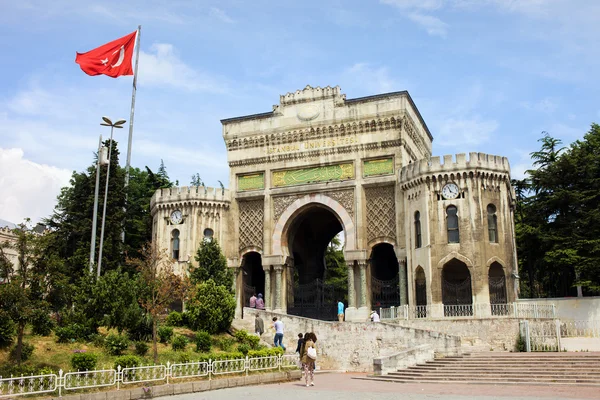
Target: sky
[[486, 75]]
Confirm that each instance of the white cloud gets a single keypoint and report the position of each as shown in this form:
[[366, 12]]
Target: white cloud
[[415, 4], [546, 105], [162, 67], [367, 77], [465, 131], [28, 189], [433, 25], [221, 15]]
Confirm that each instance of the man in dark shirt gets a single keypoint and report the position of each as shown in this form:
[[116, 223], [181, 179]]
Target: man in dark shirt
[[300, 343]]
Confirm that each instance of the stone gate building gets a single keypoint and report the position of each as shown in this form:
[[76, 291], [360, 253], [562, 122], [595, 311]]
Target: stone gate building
[[417, 229]]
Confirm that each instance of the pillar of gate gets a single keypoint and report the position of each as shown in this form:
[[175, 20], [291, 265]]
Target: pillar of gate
[[402, 282], [357, 309]]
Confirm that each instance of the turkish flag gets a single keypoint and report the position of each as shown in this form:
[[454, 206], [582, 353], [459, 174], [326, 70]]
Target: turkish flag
[[112, 59]]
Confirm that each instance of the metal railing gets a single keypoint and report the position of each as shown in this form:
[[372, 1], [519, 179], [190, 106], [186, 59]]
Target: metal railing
[[478, 310], [48, 383]]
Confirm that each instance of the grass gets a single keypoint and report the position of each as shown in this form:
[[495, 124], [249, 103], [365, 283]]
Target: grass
[[48, 353]]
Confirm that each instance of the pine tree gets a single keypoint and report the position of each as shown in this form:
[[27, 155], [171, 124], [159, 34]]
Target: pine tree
[[211, 265]]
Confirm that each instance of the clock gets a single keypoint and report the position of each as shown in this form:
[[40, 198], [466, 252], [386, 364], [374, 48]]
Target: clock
[[176, 217], [450, 191]]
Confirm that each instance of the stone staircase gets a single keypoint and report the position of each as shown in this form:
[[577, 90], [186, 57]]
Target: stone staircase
[[504, 368]]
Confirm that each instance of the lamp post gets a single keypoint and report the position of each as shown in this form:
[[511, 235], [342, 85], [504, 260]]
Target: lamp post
[[118, 124], [99, 162]]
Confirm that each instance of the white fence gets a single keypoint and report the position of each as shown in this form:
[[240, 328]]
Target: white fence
[[437, 311], [540, 335], [48, 383], [585, 328]]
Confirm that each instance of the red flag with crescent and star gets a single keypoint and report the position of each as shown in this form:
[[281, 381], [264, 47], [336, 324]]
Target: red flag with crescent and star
[[112, 59]]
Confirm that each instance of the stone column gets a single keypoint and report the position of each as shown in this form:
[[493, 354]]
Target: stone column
[[351, 289], [402, 282], [278, 271], [362, 269], [267, 293]]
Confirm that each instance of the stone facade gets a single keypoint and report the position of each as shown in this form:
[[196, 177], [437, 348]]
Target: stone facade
[[318, 164]]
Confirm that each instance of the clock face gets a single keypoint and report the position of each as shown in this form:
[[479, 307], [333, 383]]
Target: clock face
[[450, 191], [176, 217]]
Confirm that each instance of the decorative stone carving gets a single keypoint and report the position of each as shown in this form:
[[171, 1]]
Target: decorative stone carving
[[381, 212], [338, 172], [382, 166], [251, 223], [281, 203], [345, 198]]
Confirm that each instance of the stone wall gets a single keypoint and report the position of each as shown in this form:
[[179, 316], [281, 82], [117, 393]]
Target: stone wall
[[476, 334], [351, 346]]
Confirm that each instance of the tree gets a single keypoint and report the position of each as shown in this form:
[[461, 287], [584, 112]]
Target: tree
[[211, 265], [211, 307], [160, 284], [336, 271], [196, 180]]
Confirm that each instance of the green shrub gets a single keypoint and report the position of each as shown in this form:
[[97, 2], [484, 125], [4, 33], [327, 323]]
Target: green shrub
[[184, 358], [185, 318], [253, 342], [139, 324], [212, 308], [26, 352], [165, 333], [41, 323], [179, 343], [127, 362], [203, 342], [7, 330], [243, 348], [116, 344], [226, 344], [273, 351], [174, 319], [220, 356], [241, 335], [521, 345], [84, 361], [72, 332], [97, 339], [141, 348]]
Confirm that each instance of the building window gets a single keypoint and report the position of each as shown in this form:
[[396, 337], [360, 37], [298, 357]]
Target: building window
[[417, 230], [175, 243], [208, 234], [492, 223], [452, 224]]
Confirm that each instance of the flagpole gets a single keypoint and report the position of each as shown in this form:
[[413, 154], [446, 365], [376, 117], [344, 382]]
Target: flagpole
[[135, 72]]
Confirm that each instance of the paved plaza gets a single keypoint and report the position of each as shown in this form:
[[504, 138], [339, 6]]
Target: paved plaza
[[339, 386]]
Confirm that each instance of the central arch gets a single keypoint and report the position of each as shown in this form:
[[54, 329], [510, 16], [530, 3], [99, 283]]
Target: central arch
[[318, 274]]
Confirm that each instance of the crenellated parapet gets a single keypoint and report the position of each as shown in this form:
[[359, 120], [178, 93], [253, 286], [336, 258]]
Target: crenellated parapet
[[310, 93], [478, 165], [198, 196]]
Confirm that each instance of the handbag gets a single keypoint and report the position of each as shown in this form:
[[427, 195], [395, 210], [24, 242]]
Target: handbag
[[311, 353]]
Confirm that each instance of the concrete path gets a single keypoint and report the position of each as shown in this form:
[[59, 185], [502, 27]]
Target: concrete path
[[336, 386]]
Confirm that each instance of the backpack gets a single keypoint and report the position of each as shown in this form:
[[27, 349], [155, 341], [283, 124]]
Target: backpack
[[311, 352]]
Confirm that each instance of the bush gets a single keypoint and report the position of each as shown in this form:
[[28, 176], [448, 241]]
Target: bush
[[116, 344], [84, 361], [26, 352], [165, 333], [7, 330], [141, 348], [41, 322], [72, 332], [179, 343], [184, 358], [174, 319], [212, 308], [220, 356], [127, 362], [244, 348], [273, 351], [521, 345], [203, 342], [97, 339], [139, 324], [241, 335], [226, 344], [244, 337]]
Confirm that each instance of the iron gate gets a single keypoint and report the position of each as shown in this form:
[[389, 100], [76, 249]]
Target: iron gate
[[497, 288], [457, 294], [315, 300], [385, 293]]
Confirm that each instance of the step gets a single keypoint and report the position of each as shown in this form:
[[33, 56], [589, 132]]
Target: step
[[501, 370], [496, 380], [499, 375], [385, 379]]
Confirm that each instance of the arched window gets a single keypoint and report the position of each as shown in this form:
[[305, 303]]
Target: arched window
[[492, 223], [417, 230], [452, 224], [208, 234], [175, 244]]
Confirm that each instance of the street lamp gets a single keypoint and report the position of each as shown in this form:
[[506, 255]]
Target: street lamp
[[118, 124]]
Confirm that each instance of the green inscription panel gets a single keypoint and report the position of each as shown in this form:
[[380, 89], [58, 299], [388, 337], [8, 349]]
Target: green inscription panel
[[301, 176], [251, 182], [384, 166]]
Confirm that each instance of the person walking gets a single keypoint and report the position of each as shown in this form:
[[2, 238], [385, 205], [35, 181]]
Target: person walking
[[253, 301], [300, 343], [259, 325], [308, 357], [260, 302], [278, 340], [374, 316], [340, 311]]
